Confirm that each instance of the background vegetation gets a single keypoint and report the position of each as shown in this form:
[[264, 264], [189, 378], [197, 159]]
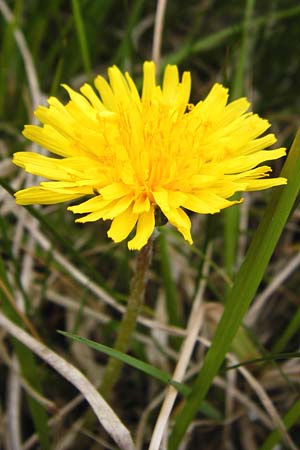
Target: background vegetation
[[47, 260]]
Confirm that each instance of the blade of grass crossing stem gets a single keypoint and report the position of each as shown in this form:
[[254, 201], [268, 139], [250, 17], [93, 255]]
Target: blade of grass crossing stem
[[82, 39], [28, 367], [206, 409], [232, 215], [127, 359], [289, 419], [244, 288]]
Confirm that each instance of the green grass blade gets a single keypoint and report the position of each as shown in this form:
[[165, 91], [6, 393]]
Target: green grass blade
[[244, 288], [125, 50], [292, 328], [242, 64], [267, 358], [231, 234], [232, 215], [154, 372], [215, 39], [79, 314], [82, 39], [290, 418], [127, 359], [28, 366], [58, 240], [57, 77], [5, 52], [172, 301]]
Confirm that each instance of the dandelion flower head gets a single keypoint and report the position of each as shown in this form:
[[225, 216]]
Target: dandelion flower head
[[133, 154]]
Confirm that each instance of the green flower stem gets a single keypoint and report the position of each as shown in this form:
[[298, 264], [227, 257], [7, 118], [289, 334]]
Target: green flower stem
[[128, 323]]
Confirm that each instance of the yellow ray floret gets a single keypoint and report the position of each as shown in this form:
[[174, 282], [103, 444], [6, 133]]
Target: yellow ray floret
[[133, 153]]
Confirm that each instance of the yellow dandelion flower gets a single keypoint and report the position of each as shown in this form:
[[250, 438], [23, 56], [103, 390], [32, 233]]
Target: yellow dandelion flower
[[134, 153]]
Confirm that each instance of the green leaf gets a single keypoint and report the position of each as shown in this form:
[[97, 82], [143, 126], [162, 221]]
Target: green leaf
[[290, 418], [232, 215], [134, 362], [291, 329], [213, 40], [125, 50], [158, 374], [170, 290], [82, 38], [266, 358]]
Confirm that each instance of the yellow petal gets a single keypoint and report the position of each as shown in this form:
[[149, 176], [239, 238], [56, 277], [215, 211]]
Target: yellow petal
[[91, 205], [255, 185], [214, 104], [69, 172], [122, 225], [89, 93], [243, 163], [176, 199], [70, 189], [81, 103], [92, 217], [119, 85], [141, 204], [181, 221], [57, 117], [184, 91], [207, 203], [114, 190], [134, 92], [162, 199], [233, 110], [170, 83], [102, 212], [149, 81], [106, 93], [145, 227], [41, 165], [42, 196], [49, 138], [120, 206], [259, 143]]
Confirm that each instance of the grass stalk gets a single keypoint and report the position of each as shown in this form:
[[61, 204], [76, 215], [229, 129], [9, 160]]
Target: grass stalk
[[290, 418], [232, 215], [172, 300], [82, 39], [127, 326], [26, 359], [218, 38]]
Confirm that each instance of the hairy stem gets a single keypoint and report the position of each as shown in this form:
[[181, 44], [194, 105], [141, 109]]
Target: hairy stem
[[128, 323]]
